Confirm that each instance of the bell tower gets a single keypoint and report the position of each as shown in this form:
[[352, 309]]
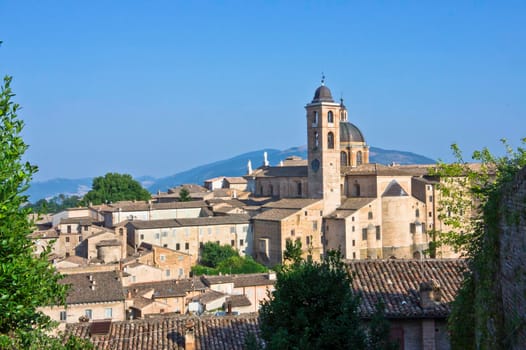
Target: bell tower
[[323, 143]]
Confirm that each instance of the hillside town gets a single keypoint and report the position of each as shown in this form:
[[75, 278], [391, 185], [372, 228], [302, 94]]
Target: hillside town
[[129, 263]]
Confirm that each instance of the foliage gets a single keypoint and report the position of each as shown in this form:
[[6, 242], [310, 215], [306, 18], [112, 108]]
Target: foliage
[[22, 272], [55, 204], [213, 253], [471, 207], [314, 307], [292, 252], [114, 187], [184, 195], [252, 342], [224, 259]]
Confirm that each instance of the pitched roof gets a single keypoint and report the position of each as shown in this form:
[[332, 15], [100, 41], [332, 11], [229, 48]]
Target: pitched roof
[[84, 220], [209, 280], [235, 180], [394, 190], [275, 214], [210, 332], [200, 221], [142, 205], [281, 171], [383, 170], [356, 203], [397, 282], [238, 300], [291, 203], [170, 288], [107, 285], [252, 279]]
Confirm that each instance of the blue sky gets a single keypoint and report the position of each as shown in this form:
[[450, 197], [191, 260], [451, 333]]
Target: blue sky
[[156, 87]]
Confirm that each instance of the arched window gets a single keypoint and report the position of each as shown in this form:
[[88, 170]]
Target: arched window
[[359, 158], [330, 117], [315, 119], [330, 140], [316, 139], [355, 191], [343, 159]]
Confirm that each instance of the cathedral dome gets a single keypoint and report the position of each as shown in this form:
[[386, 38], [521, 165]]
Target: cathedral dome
[[322, 94], [350, 133]]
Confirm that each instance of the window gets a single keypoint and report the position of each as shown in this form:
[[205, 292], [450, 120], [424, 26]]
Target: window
[[343, 159], [86, 228], [167, 272], [330, 117], [316, 140], [417, 213], [307, 240], [108, 312], [67, 239], [378, 233], [353, 229], [162, 257], [63, 315], [430, 214], [186, 232], [354, 255], [67, 254], [306, 213], [80, 238], [121, 231], [330, 140], [299, 188], [88, 313], [315, 119], [187, 246], [356, 190], [370, 215], [241, 242], [201, 245], [177, 246], [315, 225], [232, 242], [165, 234], [431, 198], [359, 158], [232, 229], [271, 190], [134, 279], [142, 237], [364, 234], [293, 232], [157, 236], [352, 218], [181, 272], [353, 242], [69, 228]]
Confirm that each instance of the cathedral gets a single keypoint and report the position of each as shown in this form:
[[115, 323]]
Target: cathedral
[[337, 199]]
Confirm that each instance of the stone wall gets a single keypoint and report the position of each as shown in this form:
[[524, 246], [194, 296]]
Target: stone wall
[[513, 260]]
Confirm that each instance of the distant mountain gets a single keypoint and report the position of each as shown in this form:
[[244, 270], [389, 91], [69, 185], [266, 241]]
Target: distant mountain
[[235, 166]]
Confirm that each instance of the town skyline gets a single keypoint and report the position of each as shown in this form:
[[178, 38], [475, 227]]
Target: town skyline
[[131, 88]]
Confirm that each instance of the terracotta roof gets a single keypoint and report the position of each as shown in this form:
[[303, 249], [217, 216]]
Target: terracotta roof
[[281, 171], [211, 333], [383, 170], [108, 287], [209, 296], [397, 282], [238, 300], [252, 279], [84, 220], [142, 205], [108, 243], [291, 203], [356, 203], [51, 233], [209, 280], [275, 214], [170, 288], [200, 221], [235, 180]]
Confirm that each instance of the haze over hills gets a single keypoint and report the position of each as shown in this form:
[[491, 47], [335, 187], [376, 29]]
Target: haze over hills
[[235, 166]]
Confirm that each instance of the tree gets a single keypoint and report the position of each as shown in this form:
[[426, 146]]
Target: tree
[[471, 198], [217, 259], [27, 281], [55, 204], [184, 195], [314, 307], [114, 187], [213, 253]]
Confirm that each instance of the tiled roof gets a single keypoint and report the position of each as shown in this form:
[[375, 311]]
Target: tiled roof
[[252, 279], [397, 282], [235, 180], [51, 233], [238, 300], [108, 287], [84, 220], [275, 214], [383, 170], [209, 280], [281, 171], [141, 206], [356, 203], [291, 203], [109, 243], [171, 288], [209, 296], [200, 221], [211, 333]]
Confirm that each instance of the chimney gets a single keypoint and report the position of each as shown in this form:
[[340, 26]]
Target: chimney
[[430, 294], [189, 337]]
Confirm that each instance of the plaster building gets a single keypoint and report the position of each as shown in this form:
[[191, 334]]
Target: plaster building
[[369, 210]]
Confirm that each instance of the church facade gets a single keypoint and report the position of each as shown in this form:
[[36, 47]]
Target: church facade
[[368, 210]]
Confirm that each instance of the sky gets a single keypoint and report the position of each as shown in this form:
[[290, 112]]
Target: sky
[[158, 87]]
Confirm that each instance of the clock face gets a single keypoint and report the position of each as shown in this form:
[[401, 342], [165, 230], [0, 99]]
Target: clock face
[[315, 165]]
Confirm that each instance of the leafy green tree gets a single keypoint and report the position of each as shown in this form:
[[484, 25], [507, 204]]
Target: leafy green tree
[[213, 253], [184, 195], [27, 281], [293, 252], [314, 307], [114, 187], [475, 193], [55, 204]]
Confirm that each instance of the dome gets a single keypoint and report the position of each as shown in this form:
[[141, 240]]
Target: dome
[[350, 133], [322, 94]]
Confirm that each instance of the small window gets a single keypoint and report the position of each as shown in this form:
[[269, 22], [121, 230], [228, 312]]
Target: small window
[[370, 215], [232, 229], [364, 234], [352, 218], [330, 140], [142, 237], [245, 228], [307, 240], [181, 272], [315, 118], [134, 279], [167, 272], [354, 255], [67, 254], [67, 239], [417, 213], [430, 214], [431, 198], [315, 225], [69, 228], [299, 188], [80, 238], [378, 233], [359, 159], [353, 229], [162, 257], [306, 213], [157, 236], [353, 243], [316, 140], [177, 246], [292, 232], [187, 246], [201, 245], [241, 242], [108, 312], [86, 228], [88, 313], [209, 230], [121, 231], [165, 245], [165, 234], [330, 117], [63, 315], [232, 243]]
